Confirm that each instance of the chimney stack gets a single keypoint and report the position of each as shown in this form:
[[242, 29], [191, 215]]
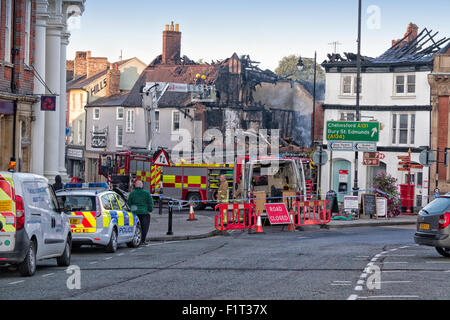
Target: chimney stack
[[412, 30], [80, 63], [112, 80], [171, 44]]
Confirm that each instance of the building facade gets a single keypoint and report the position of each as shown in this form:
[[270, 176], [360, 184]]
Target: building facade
[[396, 93], [92, 79], [439, 81], [17, 56], [33, 46]]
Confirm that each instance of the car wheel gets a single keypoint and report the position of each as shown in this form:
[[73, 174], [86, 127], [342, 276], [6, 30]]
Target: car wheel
[[112, 245], [443, 251], [64, 259], [137, 238], [28, 266], [197, 205]]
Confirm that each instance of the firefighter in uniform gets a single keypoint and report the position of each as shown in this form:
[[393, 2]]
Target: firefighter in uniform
[[222, 195]]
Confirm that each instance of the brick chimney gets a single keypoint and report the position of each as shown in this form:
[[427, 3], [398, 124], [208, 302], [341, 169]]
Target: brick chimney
[[171, 44], [112, 80], [80, 63], [413, 29], [96, 65]]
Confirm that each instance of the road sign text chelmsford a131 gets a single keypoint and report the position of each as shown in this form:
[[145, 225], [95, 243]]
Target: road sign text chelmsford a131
[[353, 131]]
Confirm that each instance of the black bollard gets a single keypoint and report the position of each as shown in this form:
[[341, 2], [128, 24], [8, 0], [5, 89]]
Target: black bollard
[[169, 232], [160, 204]]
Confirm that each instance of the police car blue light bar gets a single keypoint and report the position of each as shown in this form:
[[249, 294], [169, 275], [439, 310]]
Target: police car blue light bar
[[101, 185]]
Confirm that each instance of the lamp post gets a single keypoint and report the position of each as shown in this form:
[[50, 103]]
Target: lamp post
[[300, 67], [358, 86]]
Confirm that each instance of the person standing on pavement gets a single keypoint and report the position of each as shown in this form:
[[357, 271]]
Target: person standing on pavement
[[222, 195], [58, 185], [141, 204]]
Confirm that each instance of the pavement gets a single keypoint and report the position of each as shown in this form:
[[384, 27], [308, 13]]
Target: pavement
[[204, 227]]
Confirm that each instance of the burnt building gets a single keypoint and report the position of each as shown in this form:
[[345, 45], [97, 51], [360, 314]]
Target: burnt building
[[246, 97]]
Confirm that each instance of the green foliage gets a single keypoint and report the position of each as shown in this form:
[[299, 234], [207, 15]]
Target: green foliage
[[287, 68], [388, 185]]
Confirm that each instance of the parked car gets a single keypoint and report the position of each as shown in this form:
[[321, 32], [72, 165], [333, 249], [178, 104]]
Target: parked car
[[32, 225], [107, 220], [433, 225]]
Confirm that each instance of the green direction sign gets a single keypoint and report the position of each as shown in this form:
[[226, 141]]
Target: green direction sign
[[353, 131]]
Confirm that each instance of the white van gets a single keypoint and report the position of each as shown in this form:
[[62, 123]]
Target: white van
[[32, 226]]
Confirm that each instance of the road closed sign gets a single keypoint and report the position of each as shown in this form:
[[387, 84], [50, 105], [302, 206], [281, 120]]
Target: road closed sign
[[277, 213]]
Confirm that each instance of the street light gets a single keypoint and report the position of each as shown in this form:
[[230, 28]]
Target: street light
[[358, 86]]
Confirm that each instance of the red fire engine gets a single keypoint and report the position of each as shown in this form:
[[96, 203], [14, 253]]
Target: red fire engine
[[198, 183]]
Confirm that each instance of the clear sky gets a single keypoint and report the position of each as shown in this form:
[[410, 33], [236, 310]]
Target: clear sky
[[265, 30]]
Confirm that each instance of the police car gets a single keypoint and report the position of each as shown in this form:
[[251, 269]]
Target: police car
[[107, 220]]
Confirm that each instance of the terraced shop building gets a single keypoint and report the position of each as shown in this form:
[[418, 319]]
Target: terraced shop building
[[395, 92]]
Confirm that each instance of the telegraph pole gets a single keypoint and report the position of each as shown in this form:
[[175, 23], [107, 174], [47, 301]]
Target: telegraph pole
[[358, 86]]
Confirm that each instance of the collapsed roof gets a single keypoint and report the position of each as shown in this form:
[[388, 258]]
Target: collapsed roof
[[413, 48]]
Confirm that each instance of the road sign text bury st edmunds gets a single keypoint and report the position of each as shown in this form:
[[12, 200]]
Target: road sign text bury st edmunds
[[353, 131]]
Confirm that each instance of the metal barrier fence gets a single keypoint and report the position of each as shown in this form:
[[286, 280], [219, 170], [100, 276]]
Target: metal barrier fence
[[313, 212], [236, 216]]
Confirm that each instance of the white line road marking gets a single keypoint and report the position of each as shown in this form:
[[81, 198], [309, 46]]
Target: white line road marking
[[400, 281], [166, 242], [108, 258], [437, 261], [120, 254], [47, 275], [368, 268], [401, 255], [93, 262], [386, 297], [16, 282], [341, 283]]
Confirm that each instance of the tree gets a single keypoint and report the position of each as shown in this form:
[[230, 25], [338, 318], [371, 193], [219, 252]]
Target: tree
[[287, 68]]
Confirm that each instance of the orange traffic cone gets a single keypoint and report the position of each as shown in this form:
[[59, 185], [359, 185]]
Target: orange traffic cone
[[191, 213], [258, 224], [291, 226]]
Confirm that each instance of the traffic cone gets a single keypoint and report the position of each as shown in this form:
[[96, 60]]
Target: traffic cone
[[291, 226], [258, 224], [191, 213]]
